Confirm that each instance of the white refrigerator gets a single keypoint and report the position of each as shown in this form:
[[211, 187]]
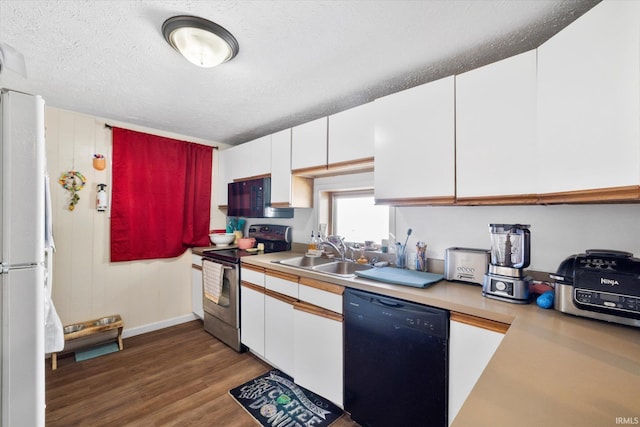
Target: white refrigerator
[[22, 236]]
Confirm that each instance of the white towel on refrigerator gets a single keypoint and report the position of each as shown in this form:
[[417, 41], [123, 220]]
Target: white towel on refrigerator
[[53, 331], [48, 216], [212, 279]]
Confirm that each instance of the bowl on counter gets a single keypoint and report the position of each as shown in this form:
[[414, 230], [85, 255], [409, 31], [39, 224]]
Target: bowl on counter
[[222, 239], [246, 242]]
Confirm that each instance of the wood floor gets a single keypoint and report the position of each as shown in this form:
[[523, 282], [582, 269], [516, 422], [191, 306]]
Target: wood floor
[[177, 376]]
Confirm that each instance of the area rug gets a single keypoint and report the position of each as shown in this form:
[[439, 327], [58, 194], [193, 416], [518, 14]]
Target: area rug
[[273, 399], [99, 350]]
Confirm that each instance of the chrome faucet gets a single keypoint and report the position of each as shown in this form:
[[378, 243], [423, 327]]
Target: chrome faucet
[[338, 245]]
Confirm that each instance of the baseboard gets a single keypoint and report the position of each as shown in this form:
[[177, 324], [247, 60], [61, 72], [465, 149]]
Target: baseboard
[[126, 333]]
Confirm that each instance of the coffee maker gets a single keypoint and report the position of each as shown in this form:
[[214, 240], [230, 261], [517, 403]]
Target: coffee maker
[[510, 249]]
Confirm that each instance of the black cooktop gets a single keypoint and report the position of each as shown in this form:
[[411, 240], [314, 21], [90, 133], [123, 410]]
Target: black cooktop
[[275, 238], [231, 255]]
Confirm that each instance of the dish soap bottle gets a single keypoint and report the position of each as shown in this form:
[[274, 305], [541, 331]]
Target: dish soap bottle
[[319, 242], [312, 245]]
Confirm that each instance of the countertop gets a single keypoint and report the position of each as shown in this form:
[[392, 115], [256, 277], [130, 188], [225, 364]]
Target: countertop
[[551, 369]]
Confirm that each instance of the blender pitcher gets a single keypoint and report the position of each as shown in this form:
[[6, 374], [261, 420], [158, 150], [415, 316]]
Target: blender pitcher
[[510, 245]]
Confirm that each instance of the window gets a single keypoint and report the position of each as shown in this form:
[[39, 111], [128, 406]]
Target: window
[[355, 216]]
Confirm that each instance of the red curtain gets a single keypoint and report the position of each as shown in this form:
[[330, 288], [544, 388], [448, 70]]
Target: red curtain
[[161, 196]]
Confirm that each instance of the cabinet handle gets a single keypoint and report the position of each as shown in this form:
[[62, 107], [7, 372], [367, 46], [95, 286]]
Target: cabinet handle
[[479, 322], [318, 311]]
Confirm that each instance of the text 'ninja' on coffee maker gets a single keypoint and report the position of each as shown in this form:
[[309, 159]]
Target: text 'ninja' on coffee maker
[[510, 249]]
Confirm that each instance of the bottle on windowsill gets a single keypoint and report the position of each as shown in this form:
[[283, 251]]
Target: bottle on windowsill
[[313, 244]]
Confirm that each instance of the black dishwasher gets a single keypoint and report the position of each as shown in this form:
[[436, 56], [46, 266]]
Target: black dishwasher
[[396, 363]]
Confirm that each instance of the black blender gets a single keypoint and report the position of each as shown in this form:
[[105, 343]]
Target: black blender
[[510, 248]]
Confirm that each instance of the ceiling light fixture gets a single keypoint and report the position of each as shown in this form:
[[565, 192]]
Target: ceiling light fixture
[[201, 42]]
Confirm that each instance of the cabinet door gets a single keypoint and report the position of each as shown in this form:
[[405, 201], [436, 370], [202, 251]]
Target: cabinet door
[[414, 145], [496, 129], [281, 168], [197, 292], [251, 159], [282, 283], [588, 102], [309, 145], [278, 326], [252, 316], [321, 294], [223, 177], [318, 354], [351, 134], [470, 349]]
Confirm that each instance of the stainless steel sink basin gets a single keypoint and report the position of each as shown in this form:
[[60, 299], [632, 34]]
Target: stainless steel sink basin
[[325, 265], [341, 268], [305, 261]]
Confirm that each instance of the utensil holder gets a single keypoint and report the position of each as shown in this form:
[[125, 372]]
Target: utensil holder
[[400, 256], [421, 262]]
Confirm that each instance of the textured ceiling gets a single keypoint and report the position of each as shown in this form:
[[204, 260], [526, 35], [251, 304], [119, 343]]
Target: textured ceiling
[[298, 60]]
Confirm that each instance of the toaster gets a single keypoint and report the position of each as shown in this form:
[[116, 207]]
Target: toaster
[[466, 264]]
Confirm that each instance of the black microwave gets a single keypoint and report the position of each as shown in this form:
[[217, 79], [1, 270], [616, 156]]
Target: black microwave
[[252, 199]]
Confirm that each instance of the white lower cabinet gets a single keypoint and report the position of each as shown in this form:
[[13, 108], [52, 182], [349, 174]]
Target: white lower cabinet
[[252, 318], [318, 353], [302, 336], [278, 332], [281, 293], [470, 349], [196, 286], [252, 309], [318, 338]]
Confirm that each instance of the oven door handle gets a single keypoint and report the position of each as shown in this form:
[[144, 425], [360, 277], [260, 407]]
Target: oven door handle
[[228, 268]]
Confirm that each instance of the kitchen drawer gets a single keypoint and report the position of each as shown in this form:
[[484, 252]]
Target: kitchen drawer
[[251, 275], [196, 260], [283, 283], [321, 294]]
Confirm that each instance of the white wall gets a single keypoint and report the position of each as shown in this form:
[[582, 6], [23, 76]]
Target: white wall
[[556, 231], [147, 294]]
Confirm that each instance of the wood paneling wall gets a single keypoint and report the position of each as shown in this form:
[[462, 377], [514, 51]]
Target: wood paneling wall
[[147, 294]]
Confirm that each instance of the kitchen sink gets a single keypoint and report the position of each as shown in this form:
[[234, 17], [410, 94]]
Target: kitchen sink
[[305, 261], [325, 265], [341, 268]]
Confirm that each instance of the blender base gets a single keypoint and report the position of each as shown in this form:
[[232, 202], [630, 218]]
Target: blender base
[[509, 289], [507, 299]]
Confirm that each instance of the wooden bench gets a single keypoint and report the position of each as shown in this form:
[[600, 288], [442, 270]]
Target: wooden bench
[[90, 327]]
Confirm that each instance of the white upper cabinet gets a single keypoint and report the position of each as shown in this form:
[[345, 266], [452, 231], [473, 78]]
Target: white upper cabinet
[[222, 176], [281, 167], [309, 145], [589, 102], [250, 159], [351, 134], [496, 129], [287, 190], [415, 145]]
